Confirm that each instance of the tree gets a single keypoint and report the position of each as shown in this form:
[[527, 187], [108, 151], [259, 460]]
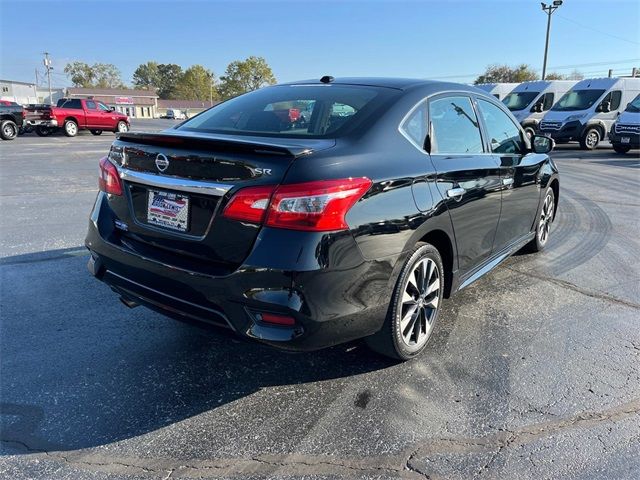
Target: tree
[[100, 75], [196, 83], [244, 76], [554, 76], [107, 76], [574, 75], [147, 75], [80, 73], [507, 74], [168, 76]]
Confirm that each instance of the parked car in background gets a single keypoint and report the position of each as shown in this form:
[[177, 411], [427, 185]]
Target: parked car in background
[[529, 101], [175, 114], [625, 132], [396, 194], [11, 119], [74, 114], [586, 113], [498, 90]]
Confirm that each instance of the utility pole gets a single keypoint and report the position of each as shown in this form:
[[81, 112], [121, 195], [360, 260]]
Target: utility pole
[[47, 65], [548, 9]]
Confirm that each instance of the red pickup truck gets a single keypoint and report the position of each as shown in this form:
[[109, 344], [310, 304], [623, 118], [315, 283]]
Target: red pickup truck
[[74, 114]]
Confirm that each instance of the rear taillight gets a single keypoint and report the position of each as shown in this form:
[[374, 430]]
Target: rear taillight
[[249, 204], [316, 206], [109, 180]]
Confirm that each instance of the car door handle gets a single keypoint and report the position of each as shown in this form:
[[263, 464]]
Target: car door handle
[[507, 181], [455, 192]]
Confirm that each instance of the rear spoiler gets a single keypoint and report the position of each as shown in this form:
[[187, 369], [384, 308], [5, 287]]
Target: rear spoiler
[[213, 142]]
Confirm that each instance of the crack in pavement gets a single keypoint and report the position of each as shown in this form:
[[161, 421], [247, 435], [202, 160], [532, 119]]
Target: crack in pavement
[[402, 465], [577, 289]]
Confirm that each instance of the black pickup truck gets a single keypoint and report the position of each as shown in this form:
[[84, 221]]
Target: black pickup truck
[[11, 119]]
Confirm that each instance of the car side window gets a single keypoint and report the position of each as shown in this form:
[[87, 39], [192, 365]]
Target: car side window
[[415, 125], [616, 96], [91, 105], [547, 103], [75, 103], [454, 125], [504, 135]]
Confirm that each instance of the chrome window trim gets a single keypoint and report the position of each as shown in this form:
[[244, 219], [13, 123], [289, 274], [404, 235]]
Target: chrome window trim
[[174, 183]]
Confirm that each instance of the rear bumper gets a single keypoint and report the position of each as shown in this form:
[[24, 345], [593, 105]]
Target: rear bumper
[[53, 123], [331, 303]]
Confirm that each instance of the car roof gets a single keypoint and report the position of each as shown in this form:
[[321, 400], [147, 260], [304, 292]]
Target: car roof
[[391, 82]]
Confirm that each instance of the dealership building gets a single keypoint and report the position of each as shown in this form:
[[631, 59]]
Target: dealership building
[[133, 103]]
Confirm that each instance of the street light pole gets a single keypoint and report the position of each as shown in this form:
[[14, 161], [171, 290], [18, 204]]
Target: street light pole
[[47, 64], [548, 9]]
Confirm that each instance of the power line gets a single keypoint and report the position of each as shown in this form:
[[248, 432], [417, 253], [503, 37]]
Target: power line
[[597, 64], [598, 31], [559, 67]]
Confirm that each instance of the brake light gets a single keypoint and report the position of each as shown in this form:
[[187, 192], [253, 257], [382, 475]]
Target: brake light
[[249, 204], [109, 180], [315, 206]]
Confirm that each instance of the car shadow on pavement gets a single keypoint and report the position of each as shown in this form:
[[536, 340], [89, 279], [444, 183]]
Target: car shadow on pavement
[[81, 370]]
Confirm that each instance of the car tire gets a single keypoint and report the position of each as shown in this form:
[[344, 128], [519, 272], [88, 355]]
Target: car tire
[[122, 127], [414, 307], [96, 132], [530, 132], [621, 149], [543, 223], [43, 131], [70, 128], [8, 130], [590, 139]]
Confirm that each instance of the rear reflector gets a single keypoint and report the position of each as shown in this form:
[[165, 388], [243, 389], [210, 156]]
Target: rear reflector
[[277, 319], [109, 180], [314, 206]]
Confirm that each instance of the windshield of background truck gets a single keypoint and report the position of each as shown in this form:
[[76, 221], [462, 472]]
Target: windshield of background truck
[[519, 100], [634, 106], [577, 100]]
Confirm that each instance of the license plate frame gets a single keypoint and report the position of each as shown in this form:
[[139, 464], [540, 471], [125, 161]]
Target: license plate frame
[[168, 210]]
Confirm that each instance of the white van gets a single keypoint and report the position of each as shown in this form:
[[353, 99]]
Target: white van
[[529, 101], [625, 132], [587, 112], [498, 90]]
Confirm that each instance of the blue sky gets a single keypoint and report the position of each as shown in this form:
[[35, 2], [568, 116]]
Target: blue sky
[[307, 39]]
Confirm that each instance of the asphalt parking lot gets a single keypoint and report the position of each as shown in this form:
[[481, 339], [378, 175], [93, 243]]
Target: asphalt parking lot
[[533, 372]]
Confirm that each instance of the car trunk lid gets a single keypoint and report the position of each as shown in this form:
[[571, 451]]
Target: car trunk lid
[[193, 176]]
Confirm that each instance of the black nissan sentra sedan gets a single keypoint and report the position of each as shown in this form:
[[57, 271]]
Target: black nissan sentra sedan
[[312, 213]]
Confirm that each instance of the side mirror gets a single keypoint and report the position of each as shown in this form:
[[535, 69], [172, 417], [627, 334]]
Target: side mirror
[[542, 144], [604, 107], [112, 109], [537, 108]]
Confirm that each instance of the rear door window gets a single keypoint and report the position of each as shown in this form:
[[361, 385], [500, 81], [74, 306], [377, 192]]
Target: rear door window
[[455, 128], [91, 105], [415, 125], [73, 103], [504, 135]]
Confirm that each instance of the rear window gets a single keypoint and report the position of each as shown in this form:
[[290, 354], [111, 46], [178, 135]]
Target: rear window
[[74, 103], [296, 111]]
